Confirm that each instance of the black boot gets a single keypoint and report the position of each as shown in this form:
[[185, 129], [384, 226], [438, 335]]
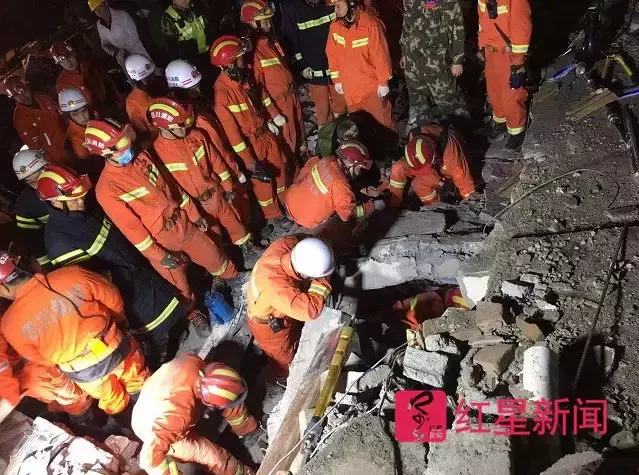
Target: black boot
[[250, 254], [497, 131], [515, 141]]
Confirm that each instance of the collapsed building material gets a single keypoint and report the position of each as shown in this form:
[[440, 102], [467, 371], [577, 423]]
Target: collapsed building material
[[426, 367], [411, 223], [496, 358], [489, 316], [459, 323], [573, 463], [540, 372]]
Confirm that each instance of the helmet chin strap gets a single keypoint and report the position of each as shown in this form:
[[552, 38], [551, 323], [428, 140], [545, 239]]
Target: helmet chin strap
[[236, 73]]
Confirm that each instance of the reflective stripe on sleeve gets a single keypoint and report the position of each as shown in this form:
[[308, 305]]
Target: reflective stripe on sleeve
[[359, 211], [359, 43], [339, 39], [185, 200], [239, 147], [265, 63], [225, 175], [222, 269], [265, 203], [166, 313], [43, 260], [145, 244], [318, 180], [134, 195], [176, 167], [397, 184], [319, 289], [314, 23], [519, 49], [298, 56], [267, 102], [238, 107]]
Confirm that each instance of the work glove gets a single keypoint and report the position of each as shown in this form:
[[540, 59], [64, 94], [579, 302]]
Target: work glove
[[339, 88], [457, 70], [229, 196], [382, 91], [307, 73], [260, 173], [273, 128], [380, 205], [242, 178], [202, 225], [279, 120], [517, 76], [170, 261]]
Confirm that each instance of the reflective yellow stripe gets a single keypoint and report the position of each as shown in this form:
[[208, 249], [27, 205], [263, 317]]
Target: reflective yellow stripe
[[313, 23], [413, 303], [154, 173], [501, 9], [224, 175], [418, 151], [221, 270], [281, 189], [199, 153], [176, 167], [98, 133], [163, 107], [29, 226], [334, 74], [359, 211], [243, 240], [267, 102], [265, 203], [319, 289], [360, 42], [65, 257], [298, 56], [499, 120], [318, 73], [44, 219], [174, 470], [79, 255], [318, 180], [145, 244], [223, 44], [166, 313], [407, 158], [339, 39], [185, 200], [238, 420], [519, 49], [227, 372], [239, 147], [515, 130], [134, 195], [265, 63], [397, 184], [429, 197], [43, 260], [25, 220], [238, 107], [223, 393], [101, 238]]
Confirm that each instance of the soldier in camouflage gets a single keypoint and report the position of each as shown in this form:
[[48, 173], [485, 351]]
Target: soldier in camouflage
[[432, 44]]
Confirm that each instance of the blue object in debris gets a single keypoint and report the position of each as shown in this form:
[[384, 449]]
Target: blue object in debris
[[220, 312]]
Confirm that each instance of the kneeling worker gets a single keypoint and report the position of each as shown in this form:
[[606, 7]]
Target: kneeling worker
[[288, 285], [169, 406]]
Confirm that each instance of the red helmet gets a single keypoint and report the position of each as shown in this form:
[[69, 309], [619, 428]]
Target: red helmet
[[61, 184], [255, 10], [227, 49], [106, 137], [13, 85], [7, 267], [354, 153], [166, 113], [419, 151], [221, 386], [60, 51]]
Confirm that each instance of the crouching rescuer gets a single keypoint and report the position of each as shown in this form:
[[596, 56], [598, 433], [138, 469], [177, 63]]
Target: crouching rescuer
[[169, 406], [73, 319]]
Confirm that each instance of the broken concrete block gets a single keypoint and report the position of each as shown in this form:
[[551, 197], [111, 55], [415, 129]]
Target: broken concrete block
[[471, 453], [375, 275], [543, 305], [530, 278], [530, 331], [513, 289], [452, 320], [573, 463], [373, 378], [540, 290], [441, 344], [495, 358], [489, 316], [345, 399], [623, 440], [425, 367], [410, 223], [524, 258], [447, 270], [473, 285], [551, 316], [485, 340]]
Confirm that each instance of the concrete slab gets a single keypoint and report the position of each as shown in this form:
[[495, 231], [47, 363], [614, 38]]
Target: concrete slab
[[411, 223]]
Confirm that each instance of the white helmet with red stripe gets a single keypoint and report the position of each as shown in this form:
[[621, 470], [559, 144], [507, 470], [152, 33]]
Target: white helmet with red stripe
[[181, 74], [139, 67], [71, 99], [27, 162]]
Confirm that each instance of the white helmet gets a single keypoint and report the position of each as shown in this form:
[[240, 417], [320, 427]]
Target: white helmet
[[71, 100], [182, 74], [311, 257], [28, 162], [139, 67]]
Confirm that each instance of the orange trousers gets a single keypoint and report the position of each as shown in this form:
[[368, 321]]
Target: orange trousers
[[427, 305], [380, 109], [220, 212], [279, 347], [269, 152], [196, 449], [425, 185], [293, 132], [112, 391], [509, 105], [328, 103], [49, 385]]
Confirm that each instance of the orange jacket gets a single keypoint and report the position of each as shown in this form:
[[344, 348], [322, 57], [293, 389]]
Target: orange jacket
[[211, 127], [75, 139], [42, 127], [414, 311], [167, 408], [270, 70], [514, 19], [138, 199], [321, 189], [358, 56], [61, 317], [194, 163], [276, 290], [137, 104], [9, 384], [239, 117], [88, 80]]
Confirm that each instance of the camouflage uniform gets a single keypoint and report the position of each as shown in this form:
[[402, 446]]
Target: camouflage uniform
[[432, 41]]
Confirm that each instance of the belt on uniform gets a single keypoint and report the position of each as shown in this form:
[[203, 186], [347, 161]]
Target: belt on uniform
[[172, 220], [263, 321], [207, 195], [102, 368], [494, 49]]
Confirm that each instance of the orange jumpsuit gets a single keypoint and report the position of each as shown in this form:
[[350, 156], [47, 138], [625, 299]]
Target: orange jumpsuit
[[271, 72], [97, 88], [137, 104], [427, 305], [75, 139], [426, 179], [358, 58], [201, 172], [20, 378], [514, 19], [70, 318], [139, 201], [321, 189], [165, 415], [275, 290], [242, 121], [42, 127]]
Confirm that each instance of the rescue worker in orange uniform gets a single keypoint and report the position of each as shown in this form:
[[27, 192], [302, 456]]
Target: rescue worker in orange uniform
[[288, 286], [271, 73], [240, 104], [140, 69], [323, 187], [72, 319], [505, 27], [412, 312], [201, 173], [36, 119], [359, 61], [435, 154], [21, 378], [184, 80], [169, 406], [95, 85], [140, 202]]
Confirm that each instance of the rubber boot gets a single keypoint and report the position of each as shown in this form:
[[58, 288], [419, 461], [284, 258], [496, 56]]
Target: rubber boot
[[250, 254], [497, 131], [515, 141]]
